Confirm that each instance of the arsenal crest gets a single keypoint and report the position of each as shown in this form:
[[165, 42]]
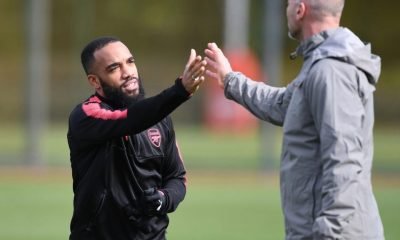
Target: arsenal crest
[[154, 136]]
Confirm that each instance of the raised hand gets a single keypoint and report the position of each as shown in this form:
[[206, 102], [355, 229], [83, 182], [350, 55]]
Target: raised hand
[[217, 64], [192, 76]]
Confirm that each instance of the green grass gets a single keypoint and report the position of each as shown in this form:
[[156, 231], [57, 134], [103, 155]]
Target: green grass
[[201, 149], [35, 211], [228, 212], [224, 205], [387, 149], [227, 205], [388, 201]]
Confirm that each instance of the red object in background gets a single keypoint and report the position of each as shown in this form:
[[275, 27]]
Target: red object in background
[[223, 115]]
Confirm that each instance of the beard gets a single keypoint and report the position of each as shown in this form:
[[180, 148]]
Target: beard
[[293, 31], [294, 34], [118, 97], [291, 36]]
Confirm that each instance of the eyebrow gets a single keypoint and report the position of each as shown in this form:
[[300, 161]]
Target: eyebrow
[[116, 64], [112, 65]]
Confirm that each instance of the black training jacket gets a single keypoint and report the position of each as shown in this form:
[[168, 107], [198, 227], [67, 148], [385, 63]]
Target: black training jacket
[[116, 154]]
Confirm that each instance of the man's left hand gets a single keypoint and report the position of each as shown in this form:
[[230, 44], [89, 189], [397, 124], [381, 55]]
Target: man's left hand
[[153, 201], [192, 75]]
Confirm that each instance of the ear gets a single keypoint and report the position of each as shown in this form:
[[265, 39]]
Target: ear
[[94, 81], [301, 11]]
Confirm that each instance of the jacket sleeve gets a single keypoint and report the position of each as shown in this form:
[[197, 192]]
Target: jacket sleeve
[[263, 101], [338, 114], [174, 173], [92, 122]]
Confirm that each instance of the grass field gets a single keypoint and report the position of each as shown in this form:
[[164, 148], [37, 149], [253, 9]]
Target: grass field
[[201, 149], [37, 204], [228, 196]]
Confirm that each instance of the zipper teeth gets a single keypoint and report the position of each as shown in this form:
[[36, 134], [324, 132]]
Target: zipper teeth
[[132, 163]]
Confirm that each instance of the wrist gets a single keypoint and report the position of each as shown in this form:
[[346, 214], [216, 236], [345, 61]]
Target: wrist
[[227, 77], [161, 201], [181, 88], [165, 201]]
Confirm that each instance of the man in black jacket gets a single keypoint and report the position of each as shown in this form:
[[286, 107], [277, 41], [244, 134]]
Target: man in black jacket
[[126, 167]]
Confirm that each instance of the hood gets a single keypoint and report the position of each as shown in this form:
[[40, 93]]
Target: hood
[[342, 44]]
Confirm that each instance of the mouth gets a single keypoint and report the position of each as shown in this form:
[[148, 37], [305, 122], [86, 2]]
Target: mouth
[[130, 85]]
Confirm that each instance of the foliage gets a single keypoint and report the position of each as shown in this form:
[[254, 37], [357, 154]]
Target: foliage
[[160, 34]]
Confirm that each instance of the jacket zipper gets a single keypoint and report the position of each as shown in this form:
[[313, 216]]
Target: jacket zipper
[[98, 210]]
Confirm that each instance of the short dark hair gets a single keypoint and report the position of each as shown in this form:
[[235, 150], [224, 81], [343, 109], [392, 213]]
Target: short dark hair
[[87, 54]]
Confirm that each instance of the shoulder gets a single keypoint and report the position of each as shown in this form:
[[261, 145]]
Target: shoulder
[[92, 108], [326, 65], [92, 100], [331, 71], [331, 76], [331, 67], [95, 108], [78, 109]]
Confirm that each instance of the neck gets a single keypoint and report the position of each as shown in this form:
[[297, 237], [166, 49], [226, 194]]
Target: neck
[[315, 27]]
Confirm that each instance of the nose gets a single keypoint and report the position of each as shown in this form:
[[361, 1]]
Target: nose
[[127, 73]]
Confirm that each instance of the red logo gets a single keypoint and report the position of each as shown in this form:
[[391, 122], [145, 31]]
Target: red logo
[[154, 136]]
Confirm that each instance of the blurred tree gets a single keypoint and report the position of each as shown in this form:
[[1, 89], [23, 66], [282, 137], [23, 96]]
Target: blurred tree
[[160, 34]]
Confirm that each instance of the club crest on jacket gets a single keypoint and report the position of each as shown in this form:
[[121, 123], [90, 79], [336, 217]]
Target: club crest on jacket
[[154, 136]]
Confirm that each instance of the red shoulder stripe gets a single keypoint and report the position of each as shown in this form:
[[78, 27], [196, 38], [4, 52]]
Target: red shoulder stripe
[[93, 109]]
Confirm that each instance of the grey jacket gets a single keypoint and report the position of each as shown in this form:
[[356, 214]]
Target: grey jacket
[[327, 117]]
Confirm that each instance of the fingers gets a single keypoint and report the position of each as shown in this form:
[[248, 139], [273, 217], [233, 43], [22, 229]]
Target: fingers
[[197, 83], [192, 74], [213, 46], [209, 54], [213, 51], [193, 62], [211, 64], [211, 74], [214, 57], [198, 69], [195, 65]]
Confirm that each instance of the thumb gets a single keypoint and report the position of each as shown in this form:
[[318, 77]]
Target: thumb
[[191, 57], [149, 191]]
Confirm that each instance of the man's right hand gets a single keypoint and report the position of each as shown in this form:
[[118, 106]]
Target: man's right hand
[[218, 65], [192, 76]]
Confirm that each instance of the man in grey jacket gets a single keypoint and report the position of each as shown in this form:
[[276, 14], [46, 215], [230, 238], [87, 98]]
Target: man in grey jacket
[[327, 117]]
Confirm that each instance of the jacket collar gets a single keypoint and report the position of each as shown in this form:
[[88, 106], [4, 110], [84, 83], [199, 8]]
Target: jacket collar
[[307, 46], [109, 102]]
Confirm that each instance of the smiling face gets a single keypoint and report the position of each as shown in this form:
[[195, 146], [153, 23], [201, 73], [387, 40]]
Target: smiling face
[[114, 71]]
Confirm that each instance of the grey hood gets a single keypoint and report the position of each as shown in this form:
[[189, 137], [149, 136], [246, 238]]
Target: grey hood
[[344, 45]]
